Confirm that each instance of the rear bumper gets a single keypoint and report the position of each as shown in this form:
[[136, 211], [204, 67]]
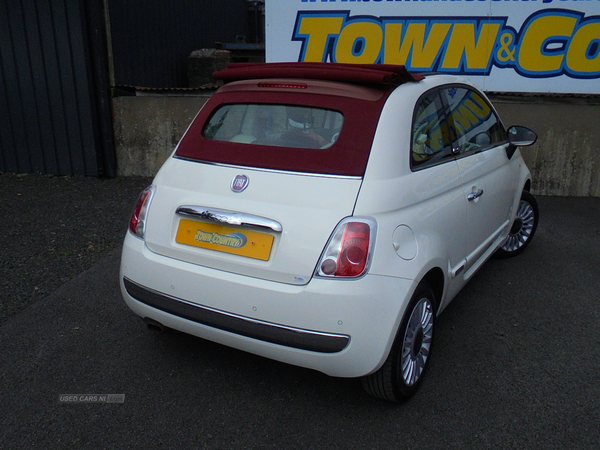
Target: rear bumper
[[338, 327], [244, 326]]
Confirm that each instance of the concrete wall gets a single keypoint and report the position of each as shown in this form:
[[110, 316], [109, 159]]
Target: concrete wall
[[147, 129], [564, 162]]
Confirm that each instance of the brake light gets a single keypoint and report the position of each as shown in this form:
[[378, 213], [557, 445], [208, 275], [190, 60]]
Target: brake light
[[137, 223], [349, 250], [283, 85]]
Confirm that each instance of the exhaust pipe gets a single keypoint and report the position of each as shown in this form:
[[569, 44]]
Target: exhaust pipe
[[154, 325]]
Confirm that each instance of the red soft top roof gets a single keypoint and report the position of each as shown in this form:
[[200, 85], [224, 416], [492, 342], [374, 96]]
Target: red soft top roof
[[372, 74]]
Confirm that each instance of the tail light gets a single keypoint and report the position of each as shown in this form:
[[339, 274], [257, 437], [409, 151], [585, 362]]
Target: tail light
[[349, 250], [137, 223]]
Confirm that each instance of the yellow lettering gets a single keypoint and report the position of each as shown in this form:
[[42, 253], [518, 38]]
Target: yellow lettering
[[435, 139], [439, 133], [462, 41], [424, 51], [577, 55], [479, 107], [359, 43], [531, 57], [318, 30], [464, 118]]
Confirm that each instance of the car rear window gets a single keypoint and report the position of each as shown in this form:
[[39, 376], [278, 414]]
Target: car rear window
[[323, 128], [275, 125]]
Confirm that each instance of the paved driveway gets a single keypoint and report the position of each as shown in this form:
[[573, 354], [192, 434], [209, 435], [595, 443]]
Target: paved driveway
[[516, 365]]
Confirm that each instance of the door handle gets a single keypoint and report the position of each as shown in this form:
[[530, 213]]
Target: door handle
[[229, 217], [474, 195]]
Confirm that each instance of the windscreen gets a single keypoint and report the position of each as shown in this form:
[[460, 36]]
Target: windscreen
[[275, 125], [321, 128]]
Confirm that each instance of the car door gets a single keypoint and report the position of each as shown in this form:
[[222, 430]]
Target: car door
[[433, 162], [488, 177]]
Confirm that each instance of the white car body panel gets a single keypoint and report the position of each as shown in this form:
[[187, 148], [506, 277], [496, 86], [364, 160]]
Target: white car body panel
[[488, 216], [369, 309], [425, 224], [431, 202], [307, 206]]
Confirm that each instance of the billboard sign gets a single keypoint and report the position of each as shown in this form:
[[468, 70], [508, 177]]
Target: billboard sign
[[502, 45]]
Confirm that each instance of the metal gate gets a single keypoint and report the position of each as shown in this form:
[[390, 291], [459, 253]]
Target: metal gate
[[54, 89]]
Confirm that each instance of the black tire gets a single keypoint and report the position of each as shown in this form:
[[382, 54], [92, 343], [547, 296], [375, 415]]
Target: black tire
[[523, 228], [411, 348]]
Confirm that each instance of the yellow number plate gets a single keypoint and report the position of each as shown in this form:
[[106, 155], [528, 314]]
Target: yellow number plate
[[251, 244]]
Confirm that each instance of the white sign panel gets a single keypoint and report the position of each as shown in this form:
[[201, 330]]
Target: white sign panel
[[503, 45]]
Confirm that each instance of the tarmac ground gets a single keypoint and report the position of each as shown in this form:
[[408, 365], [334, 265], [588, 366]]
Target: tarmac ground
[[516, 362], [54, 228]]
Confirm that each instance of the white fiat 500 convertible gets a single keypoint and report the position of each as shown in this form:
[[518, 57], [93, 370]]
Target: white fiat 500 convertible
[[323, 215]]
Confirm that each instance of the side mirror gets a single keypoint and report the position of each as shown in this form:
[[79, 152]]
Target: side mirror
[[519, 136]]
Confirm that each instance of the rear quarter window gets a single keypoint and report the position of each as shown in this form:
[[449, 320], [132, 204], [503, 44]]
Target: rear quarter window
[[430, 143]]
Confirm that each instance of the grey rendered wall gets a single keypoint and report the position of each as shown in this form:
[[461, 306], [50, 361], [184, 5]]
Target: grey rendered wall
[[564, 162], [148, 128], [566, 159]]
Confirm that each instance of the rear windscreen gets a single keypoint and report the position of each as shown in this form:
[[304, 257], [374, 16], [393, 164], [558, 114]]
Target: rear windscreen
[[286, 129], [275, 125]]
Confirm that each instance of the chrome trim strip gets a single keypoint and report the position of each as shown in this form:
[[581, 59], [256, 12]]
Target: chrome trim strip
[[262, 169], [315, 341], [229, 217]]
